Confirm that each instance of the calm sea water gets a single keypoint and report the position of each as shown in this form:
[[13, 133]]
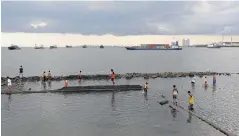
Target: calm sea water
[[121, 113], [65, 61]]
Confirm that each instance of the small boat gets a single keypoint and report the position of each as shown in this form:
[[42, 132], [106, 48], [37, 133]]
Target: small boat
[[39, 47], [101, 46], [213, 46], [84, 46], [53, 47], [14, 47], [68, 46]]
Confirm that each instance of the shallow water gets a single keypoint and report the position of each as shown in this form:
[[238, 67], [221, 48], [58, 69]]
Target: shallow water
[[122, 113], [65, 61]]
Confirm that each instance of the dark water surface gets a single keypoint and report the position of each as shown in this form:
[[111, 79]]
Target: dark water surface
[[120, 113], [65, 61]]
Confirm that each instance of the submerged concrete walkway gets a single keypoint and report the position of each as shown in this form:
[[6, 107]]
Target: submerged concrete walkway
[[80, 89], [201, 118]]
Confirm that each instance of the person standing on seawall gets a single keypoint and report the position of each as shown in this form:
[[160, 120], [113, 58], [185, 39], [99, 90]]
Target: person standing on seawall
[[44, 76], [21, 71], [112, 76], [49, 75], [9, 85]]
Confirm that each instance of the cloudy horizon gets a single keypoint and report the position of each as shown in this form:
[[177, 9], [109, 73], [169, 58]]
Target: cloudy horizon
[[119, 19]]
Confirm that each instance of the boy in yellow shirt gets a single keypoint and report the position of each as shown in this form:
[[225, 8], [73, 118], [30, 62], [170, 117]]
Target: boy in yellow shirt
[[191, 101]]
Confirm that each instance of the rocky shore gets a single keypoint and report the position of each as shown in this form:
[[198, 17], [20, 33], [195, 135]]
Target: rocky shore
[[127, 76]]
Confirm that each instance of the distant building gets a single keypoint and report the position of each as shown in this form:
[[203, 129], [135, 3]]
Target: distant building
[[185, 42]]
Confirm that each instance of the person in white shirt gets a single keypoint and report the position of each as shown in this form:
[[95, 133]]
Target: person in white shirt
[[175, 94], [193, 80], [9, 84]]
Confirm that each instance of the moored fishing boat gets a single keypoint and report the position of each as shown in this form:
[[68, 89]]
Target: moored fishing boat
[[14, 47], [39, 47], [101, 46], [68, 46], [213, 46], [53, 47]]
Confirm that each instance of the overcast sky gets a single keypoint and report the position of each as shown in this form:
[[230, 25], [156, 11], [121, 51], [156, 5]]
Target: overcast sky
[[121, 18]]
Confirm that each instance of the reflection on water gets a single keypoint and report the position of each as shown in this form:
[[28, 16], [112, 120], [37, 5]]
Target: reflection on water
[[193, 87], [49, 84], [214, 89], [79, 81], [174, 112], [44, 85], [145, 96], [9, 102], [205, 87], [113, 101], [189, 117]]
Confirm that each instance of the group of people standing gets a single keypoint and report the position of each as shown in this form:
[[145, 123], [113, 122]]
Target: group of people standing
[[9, 81], [46, 77], [191, 98], [205, 81]]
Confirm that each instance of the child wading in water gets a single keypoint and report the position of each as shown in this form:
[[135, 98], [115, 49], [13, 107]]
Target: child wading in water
[[146, 87], [205, 82], [191, 101], [175, 94], [214, 80]]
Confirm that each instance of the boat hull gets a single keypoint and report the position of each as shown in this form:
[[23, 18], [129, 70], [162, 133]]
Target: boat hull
[[131, 48], [14, 48], [215, 47]]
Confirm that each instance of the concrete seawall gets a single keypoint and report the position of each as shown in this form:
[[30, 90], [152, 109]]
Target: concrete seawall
[[127, 76], [80, 89]]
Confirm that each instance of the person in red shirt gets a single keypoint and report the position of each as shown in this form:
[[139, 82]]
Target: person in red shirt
[[112, 76]]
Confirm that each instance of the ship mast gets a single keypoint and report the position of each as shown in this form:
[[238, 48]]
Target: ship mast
[[231, 37]]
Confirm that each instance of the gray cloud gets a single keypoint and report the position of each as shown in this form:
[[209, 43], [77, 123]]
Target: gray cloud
[[122, 18]]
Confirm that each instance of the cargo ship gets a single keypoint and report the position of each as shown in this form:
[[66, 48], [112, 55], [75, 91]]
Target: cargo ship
[[174, 46]]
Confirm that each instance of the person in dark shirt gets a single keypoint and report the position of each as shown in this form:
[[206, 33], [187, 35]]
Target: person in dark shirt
[[20, 71], [80, 76], [44, 76]]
